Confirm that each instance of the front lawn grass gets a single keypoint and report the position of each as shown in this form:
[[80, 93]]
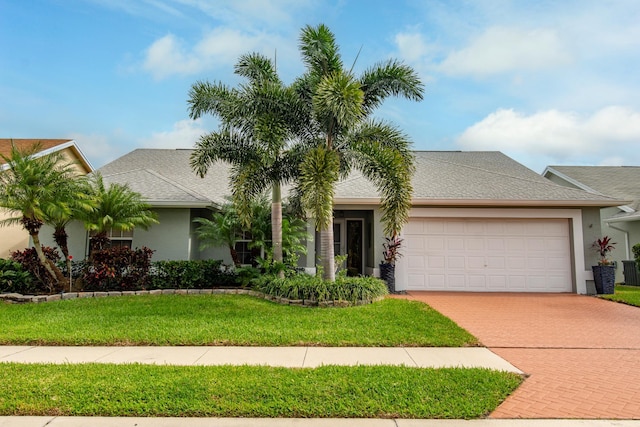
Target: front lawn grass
[[626, 294], [225, 320], [251, 391]]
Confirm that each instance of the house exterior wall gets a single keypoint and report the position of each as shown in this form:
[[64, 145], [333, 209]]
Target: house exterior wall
[[170, 238], [12, 237]]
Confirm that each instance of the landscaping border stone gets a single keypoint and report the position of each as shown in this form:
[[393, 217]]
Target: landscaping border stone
[[15, 298]]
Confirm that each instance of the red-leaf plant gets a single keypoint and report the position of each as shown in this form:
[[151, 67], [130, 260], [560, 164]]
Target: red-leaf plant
[[603, 247]]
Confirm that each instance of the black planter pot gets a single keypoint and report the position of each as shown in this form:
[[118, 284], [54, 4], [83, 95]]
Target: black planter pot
[[388, 274], [605, 278]]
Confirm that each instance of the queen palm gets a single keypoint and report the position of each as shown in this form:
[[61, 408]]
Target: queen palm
[[117, 207], [255, 136], [29, 187], [339, 105], [75, 194]]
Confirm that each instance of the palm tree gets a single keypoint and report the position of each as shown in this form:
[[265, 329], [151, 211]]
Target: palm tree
[[29, 187], [115, 207], [74, 193], [254, 137], [340, 104], [224, 228]]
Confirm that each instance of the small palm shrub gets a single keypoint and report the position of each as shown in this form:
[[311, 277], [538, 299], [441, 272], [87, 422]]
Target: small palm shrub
[[14, 279], [306, 287]]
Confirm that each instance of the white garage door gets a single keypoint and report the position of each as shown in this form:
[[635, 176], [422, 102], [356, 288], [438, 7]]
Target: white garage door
[[501, 255]]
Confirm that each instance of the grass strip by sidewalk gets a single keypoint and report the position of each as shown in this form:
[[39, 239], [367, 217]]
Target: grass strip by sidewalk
[[251, 391], [225, 320], [626, 294]]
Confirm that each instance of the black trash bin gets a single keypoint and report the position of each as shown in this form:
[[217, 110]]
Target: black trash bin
[[630, 270]]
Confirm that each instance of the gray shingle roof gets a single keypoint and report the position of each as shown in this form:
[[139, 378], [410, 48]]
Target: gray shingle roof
[[164, 176], [477, 177]]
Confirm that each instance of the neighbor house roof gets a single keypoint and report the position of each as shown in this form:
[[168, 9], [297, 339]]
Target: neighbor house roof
[[47, 146], [164, 178], [620, 182]]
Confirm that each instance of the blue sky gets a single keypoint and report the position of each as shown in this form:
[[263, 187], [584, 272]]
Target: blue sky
[[545, 82]]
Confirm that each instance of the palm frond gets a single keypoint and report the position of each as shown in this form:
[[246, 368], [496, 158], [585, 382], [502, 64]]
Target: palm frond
[[391, 170], [391, 78], [257, 68], [319, 49]]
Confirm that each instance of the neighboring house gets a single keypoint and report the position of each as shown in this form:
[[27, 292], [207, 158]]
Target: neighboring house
[[15, 237], [480, 221], [622, 222]]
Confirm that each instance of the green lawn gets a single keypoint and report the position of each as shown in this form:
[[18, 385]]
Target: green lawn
[[627, 294], [250, 391], [224, 320]]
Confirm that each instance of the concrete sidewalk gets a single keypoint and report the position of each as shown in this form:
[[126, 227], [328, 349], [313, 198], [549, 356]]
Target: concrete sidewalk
[[290, 357], [294, 422]]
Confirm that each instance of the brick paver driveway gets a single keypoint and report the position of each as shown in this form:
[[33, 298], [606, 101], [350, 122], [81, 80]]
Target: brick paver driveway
[[582, 354]]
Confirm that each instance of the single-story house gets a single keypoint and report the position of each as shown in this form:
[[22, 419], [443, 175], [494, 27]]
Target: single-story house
[[480, 221], [622, 222], [15, 237]]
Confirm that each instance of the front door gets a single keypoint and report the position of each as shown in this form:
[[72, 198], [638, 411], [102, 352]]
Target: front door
[[347, 239]]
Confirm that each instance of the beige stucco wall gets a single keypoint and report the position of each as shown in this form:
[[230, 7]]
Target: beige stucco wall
[[12, 238]]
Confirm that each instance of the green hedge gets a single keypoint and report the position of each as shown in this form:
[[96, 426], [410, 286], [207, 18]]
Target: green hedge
[[191, 275], [305, 287]]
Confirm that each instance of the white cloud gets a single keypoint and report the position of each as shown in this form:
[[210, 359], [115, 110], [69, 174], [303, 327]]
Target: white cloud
[[184, 134], [608, 136], [98, 148], [221, 47], [501, 49], [411, 46]]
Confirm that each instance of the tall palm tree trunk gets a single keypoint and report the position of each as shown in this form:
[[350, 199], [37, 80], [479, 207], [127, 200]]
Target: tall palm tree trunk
[[62, 240], [328, 255], [51, 268], [276, 224]]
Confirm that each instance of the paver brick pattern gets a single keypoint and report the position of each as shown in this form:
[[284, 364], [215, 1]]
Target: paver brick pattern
[[582, 353]]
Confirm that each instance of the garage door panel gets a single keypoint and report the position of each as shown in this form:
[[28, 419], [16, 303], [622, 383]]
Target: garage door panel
[[456, 262], [416, 262], [489, 255], [415, 244], [496, 263], [436, 262]]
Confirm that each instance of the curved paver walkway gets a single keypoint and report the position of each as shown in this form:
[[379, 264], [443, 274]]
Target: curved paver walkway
[[582, 353]]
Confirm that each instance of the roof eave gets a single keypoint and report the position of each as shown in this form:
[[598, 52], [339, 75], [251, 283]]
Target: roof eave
[[179, 204], [488, 202], [623, 219]]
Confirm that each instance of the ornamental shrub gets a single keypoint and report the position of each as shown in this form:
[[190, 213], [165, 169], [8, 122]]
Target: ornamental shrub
[[118, 269], [306, 287], [28, 259], [196, 274], [14, 279]]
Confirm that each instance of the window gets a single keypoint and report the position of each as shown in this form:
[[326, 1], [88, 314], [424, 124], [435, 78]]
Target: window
[[119, 238], [245, 254]]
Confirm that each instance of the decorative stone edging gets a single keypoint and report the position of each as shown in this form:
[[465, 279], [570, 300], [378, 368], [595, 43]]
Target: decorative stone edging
[[22, 299]]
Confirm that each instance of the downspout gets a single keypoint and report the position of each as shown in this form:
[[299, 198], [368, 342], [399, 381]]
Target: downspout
[[626, 239]]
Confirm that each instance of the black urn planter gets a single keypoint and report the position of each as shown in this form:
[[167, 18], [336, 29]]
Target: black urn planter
[[388, 274], [604, 277]]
